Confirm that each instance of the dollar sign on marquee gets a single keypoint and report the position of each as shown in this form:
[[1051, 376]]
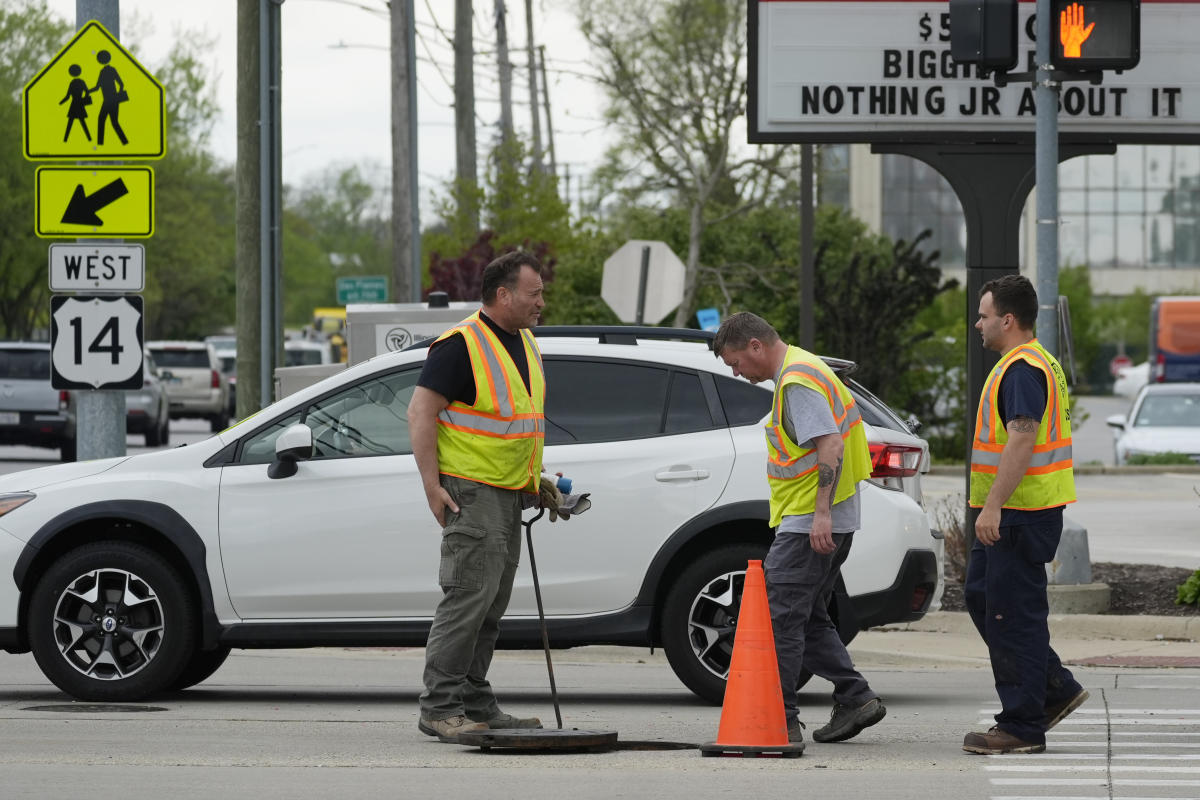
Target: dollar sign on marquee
[[926, 28]]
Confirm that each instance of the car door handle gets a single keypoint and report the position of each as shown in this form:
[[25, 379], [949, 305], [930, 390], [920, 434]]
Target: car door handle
[[681, 475]]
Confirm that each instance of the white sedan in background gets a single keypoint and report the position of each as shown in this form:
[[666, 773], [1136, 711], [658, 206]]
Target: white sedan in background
[[1164, 418]]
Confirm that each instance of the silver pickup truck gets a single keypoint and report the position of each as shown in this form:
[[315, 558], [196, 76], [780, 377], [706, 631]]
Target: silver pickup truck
[[31, 411]]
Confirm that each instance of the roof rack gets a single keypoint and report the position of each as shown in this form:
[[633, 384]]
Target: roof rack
[[608, 334], [625, 334]]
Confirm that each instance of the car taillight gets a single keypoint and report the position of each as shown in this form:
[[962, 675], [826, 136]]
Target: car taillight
[[216, 379], [64, 400], [894, 460], [1160, 369]]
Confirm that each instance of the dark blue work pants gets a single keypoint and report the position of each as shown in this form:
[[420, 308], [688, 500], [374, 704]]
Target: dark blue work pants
[[1005, 593]]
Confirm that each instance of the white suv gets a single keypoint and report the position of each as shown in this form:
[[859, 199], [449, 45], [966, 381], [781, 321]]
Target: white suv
[[305, 525], [195, 385]]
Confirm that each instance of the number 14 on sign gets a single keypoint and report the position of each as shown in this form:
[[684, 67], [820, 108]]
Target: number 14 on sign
[[96, 342]]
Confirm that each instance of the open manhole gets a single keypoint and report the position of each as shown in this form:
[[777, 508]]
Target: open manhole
[[94, 708]]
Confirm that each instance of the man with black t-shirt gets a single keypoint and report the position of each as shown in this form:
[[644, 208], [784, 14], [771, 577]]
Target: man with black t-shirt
[[1021, 478], [477, 426]]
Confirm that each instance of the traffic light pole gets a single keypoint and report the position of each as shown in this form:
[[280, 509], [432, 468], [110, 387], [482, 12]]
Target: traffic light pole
[[1045, 95]]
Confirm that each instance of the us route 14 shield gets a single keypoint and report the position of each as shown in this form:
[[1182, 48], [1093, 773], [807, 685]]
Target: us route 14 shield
[[96, 342]]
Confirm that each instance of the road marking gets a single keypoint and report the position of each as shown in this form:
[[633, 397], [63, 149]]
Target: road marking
[[1089, 768]]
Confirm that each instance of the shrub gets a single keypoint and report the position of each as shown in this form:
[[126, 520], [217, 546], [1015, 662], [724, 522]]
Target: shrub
[[1188, 593], [1168, 458]]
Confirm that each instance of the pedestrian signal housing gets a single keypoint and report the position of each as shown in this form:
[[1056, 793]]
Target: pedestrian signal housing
[[1089, 35], [984, 32]]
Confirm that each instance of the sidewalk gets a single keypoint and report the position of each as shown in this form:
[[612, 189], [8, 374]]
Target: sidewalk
[[948, 639]]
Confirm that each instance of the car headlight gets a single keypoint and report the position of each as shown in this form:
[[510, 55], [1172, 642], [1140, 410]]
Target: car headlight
[[11, 502]]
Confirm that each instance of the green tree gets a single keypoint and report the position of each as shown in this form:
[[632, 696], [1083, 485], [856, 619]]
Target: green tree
[[29, 37], [190, 268], [674, 74]]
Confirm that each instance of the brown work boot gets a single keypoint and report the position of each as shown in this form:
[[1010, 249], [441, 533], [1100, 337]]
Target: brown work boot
[[996, 742], [1059, 711], [447, 730], [795, 731], [502, 720]]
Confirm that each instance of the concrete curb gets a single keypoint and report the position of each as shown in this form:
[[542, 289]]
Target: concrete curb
[[1131, 627]]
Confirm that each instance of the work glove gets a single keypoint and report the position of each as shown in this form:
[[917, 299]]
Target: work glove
[[571, 504], [549, 497]]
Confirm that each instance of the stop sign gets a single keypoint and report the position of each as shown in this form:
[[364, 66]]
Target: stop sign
[[621, 285], [1117, 362]]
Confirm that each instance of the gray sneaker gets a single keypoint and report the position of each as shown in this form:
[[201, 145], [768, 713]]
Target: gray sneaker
[[447, 730], [846, 723], [502, 720]]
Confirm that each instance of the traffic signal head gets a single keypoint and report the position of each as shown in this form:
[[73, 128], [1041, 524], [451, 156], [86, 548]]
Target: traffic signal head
[[1090, 35], [984, 32]]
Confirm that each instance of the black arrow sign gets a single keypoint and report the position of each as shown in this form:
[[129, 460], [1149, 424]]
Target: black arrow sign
[[83, 207]]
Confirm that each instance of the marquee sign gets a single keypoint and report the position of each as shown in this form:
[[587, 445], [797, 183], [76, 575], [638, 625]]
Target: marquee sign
[[881, 71]]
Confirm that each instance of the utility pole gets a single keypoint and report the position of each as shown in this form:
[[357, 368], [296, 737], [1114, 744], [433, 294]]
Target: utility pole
[[406, 225], [248, 211], [506, 116], [807, 234], [533, 90], [464, 110], [546, 101]]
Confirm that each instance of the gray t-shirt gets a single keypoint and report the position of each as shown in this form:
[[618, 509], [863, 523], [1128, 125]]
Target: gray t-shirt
[[806, 414]]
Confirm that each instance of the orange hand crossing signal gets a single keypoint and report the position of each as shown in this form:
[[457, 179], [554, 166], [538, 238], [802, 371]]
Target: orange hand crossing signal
[[1094, 35], [1071, 31]]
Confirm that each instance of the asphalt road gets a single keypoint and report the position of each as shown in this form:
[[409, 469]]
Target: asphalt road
[[320, 723]]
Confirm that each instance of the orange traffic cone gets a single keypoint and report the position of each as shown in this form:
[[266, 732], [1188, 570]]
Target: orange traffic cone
[[752, 721]]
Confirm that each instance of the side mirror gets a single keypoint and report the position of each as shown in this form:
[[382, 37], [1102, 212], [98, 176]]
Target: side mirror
[[1116, 421], [293, 445], [914, 424]]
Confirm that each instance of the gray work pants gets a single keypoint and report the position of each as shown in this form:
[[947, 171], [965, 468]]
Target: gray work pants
[[800, 582], [481, 547]]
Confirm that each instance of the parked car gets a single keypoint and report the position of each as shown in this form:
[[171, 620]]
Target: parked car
[[195, 387], [306, 352], [1164, 418], [147, 410], [306, 525], [32, 412], [227, 360]]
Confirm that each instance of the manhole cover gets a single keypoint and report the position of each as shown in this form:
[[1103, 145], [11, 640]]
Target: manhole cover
[[94, 708]]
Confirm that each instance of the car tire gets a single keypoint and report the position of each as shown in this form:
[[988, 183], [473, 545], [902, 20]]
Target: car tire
[[154, 435], [698, 619], [66, 450], [700, 614], [202, 666], [134, 644]]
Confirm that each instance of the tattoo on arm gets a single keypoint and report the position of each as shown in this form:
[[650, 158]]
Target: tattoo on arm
[[1024, 425], [825, 475]]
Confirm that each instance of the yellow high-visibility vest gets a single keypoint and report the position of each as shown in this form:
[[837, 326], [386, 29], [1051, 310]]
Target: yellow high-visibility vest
[[792, 469], [498, 440], [1049, 481]]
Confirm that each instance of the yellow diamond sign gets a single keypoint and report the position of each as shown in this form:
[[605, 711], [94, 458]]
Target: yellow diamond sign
[[94, 202], [94, 101]]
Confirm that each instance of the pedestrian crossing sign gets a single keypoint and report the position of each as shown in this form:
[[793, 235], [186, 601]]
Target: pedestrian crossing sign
[[94, 101]]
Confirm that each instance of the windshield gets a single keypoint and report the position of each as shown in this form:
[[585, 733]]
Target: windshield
[[181, 359], [1169, 411], [25, 364]]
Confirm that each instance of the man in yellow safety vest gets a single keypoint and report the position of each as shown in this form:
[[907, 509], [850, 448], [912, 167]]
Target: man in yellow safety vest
[[1021, 478], [477, 427], [816, 455]]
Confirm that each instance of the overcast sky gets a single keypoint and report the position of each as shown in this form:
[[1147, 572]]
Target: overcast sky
[[336, 89]]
